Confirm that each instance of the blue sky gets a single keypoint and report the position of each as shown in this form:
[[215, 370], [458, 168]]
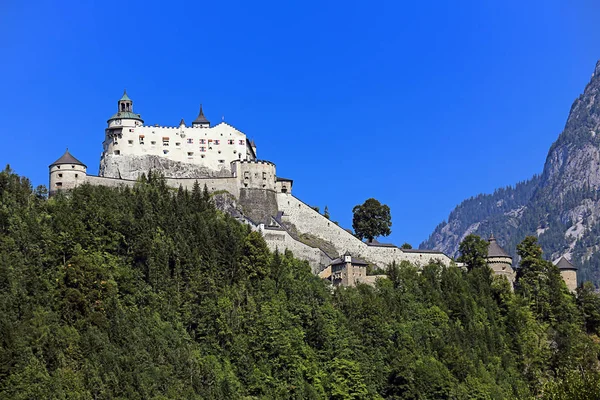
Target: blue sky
[[418, 104]]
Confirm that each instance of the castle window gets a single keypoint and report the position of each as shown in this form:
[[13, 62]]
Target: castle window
[[165, 151], [264, 175], [241, 142], [202, 156], [72, 166], [230, 141], [58, 166], [190, 154], [117, 152], [222, 161], [177, 144], [130, 142], [202, 148], [76, 175], [60, 175], [202, 141], [219, 151], [217, 141], [58, 184], [153, 143], [191, 141]]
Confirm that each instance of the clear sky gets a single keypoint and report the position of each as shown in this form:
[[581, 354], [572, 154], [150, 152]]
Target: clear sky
[[419, 104]]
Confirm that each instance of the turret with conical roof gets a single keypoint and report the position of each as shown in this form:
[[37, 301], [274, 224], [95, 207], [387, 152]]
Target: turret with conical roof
[[568, 272], [66, 173], [201, 121], [499, 260]]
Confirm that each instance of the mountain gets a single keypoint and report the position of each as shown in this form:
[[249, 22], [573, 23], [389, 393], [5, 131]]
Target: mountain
[[561, 206]]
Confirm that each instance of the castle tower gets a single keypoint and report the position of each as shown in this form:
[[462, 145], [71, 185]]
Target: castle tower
[[66, 173], [201, 121], [124, 115], [568, 272], [499, 260]]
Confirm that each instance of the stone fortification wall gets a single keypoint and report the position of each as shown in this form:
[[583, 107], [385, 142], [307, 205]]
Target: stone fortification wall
[[502, 266], [255, 174], [570, 278], [258, 204], [110, 182], [307, 220], [281, 240], [383, 256], [213, 184]]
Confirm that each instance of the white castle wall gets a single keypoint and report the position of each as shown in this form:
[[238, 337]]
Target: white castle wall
[[214, 148], [66, 177]]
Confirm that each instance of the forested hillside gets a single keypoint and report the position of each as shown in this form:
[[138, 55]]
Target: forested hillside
[[150, 293], [561, 206]]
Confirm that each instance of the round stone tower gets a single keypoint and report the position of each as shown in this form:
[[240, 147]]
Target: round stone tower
[[499, 260], [568, 272], [66, 173]]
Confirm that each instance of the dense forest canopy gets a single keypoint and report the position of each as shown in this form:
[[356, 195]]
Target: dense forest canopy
[[152, 293]]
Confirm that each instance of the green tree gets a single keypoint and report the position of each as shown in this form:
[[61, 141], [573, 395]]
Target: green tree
[[371, 219], [406, 246], [473, 252]]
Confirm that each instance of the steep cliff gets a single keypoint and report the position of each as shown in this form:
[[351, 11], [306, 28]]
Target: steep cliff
[[131, 167], [561, 206]]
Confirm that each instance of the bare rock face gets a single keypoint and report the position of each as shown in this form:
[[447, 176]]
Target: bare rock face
[[132, 167], [561, 206]]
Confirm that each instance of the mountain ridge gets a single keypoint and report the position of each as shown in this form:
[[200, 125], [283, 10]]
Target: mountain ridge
[[560, 205]]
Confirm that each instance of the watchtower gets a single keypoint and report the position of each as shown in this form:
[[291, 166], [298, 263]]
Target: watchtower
[[66, 173]]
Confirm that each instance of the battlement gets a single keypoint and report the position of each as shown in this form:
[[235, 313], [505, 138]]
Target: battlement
[[264, 162]]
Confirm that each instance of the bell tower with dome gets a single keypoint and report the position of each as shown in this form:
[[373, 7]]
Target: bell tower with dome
[[125, 115]]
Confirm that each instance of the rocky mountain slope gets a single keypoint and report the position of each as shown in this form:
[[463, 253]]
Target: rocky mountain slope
[[561, 206]]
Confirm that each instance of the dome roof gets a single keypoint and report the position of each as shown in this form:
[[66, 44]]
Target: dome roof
[[126, 115], [67, 158], [494, 249]]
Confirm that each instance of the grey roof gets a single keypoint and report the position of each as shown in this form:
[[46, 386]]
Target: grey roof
[[378, 244], [494, 249], [422, 251], [67, 158], [281, 179], [564, 264], [353, 260], [201, 119]]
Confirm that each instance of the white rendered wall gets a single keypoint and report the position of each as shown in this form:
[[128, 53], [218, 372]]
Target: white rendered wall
[[214, 148]]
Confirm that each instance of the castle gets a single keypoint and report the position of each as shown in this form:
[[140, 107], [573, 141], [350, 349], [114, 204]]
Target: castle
[[224, 159]]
